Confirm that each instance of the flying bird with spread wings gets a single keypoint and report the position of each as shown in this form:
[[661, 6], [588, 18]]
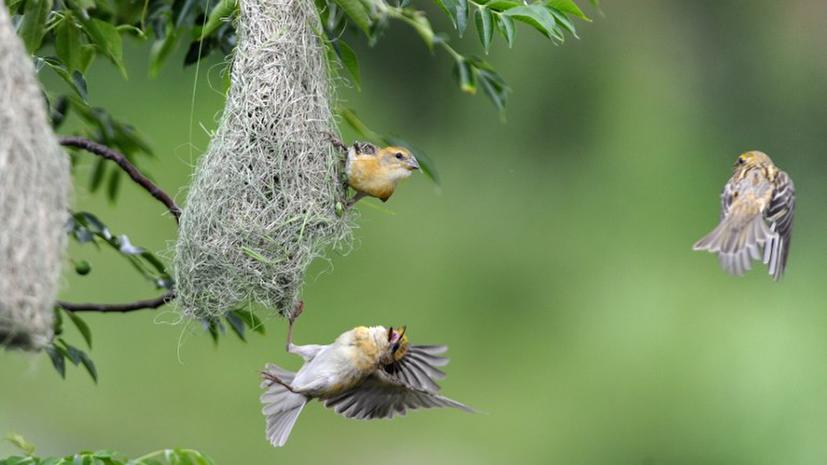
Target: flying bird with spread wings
[[757, 209], [366, 373]]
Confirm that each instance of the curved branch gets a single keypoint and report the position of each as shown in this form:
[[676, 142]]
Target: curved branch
[[150, 304], [129, 168]]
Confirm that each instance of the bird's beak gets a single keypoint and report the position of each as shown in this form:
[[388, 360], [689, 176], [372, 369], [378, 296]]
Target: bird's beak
[[412, 164], [396, 334]]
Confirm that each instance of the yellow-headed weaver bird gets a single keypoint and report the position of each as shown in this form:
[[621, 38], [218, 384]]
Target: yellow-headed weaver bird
[[373, 171], [366, 373], [757, 208]]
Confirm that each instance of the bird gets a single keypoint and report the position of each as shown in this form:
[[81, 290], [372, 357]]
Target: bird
[[756, 223], [366, 373], [374, 171]]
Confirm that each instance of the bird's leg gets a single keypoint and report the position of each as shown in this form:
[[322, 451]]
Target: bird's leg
[[359, 196], [335, 141], [294, 315], [275, 380]]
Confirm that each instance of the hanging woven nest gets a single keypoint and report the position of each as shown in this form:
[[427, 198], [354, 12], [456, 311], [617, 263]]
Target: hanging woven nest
[[266, 197], [34, 191]]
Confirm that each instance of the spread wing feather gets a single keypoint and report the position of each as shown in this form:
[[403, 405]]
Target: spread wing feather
[[379, 396], [418, 368]]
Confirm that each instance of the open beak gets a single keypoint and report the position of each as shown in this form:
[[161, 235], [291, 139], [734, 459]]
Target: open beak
[[412, 164], [396, 334]]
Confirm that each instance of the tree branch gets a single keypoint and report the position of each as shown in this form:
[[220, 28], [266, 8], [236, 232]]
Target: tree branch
[[150, 304], [129, 168]]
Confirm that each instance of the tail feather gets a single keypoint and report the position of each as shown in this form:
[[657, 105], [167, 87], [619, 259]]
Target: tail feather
[[738, 242], [281, 407]]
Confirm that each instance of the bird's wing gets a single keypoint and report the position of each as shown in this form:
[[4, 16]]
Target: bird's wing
[[727, 195], [379, 396], [365, 148], [780, 215], [418, 368]]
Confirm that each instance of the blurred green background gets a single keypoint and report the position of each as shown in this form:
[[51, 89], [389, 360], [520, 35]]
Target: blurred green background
[[555, 260]]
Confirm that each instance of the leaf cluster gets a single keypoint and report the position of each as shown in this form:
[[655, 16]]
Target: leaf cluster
[[104, 457]]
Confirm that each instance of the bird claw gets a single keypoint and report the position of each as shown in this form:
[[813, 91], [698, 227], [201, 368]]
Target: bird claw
[[273, 379], [297, 311], [335, 141]]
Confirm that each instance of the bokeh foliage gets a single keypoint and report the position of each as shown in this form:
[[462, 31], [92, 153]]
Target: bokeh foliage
[[556, 263]]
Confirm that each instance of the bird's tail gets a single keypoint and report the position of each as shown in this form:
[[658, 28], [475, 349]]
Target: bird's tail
[[281, 407], [737, 242]]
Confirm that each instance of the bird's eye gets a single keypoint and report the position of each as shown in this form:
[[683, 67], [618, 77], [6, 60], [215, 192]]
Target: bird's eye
[[399, 156], [741, 160]]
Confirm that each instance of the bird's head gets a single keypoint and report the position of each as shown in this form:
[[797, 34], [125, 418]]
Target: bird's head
[[752, 159], [397, 343], [399, 161]]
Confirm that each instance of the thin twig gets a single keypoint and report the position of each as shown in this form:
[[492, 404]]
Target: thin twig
[[129, 168], [150, 304]]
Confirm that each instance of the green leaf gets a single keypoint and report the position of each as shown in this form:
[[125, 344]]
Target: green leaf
[[68, 351], [215, 328], [358, 125], [485, 28], [420, 23], [58, 321], [464, 74], [89, 365], [568, 6], [536, 16], [101, 33], [506, 27], [21, 443], [97, 175], [358, 13], [161, 49], [493, 85], [462, 16], [564, 21], [57, 359], [68, 43], [74, 79], [107, 37], [449, 7], [250, 319], [348, 58], [236, 324], [501, 5], [219, 15], [33, 27], [82, 327], [114, 185]]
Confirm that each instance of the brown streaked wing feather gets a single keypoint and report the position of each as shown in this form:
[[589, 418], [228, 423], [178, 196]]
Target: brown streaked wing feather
[[779, 215], [380, 397], [727, 195]]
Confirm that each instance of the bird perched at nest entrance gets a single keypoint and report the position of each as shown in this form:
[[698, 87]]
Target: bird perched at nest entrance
[[374, 171], [366, 373], [757, 208]]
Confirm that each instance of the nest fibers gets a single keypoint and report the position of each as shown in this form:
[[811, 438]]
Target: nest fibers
[[263, 202], [34, 188]]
